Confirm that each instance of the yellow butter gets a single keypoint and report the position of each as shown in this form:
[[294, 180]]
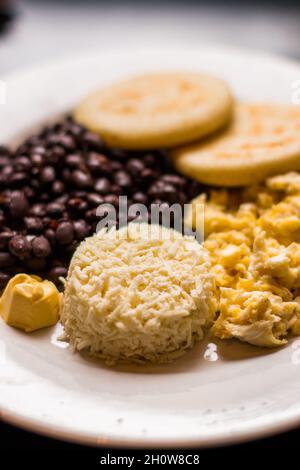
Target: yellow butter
[[29, 303]]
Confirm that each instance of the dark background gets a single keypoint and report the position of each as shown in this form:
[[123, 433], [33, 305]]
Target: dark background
[[35, 31], [22, 446], [46, 29]]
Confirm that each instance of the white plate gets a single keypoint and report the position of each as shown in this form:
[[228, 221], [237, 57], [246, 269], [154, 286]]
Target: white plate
[[245, 393]]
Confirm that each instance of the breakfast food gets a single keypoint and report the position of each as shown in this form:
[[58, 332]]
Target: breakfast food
[[143, 293], [157, 110], [52, 184], [29, 303], [263, 140], [253, 237]]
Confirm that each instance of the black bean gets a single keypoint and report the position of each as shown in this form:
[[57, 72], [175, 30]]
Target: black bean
[[98, 164], [50, 235], [5, 236], [91, 215], [8, 171], [50, 223], [56, 262], [194, 188], [92, 140], [33, 224], [176, 180], [41, 247], [76, 204], [71, 248], [156, 190], [4, 278], [140, 197], [36, 264], [47, 174], [78, 193], [35, 143], [29, 192], [18, 205], [38, 149], [56, 128], [3, 181], [66, 141], [115, 165], [135, 166], [112, 199], [38, 210], [147, 175], [44, 197], [81, 179], [58, 187], [20, 246], [182, 198], [66, 175], [150, 160], [74, 128], [122, 178], [82, 229], [18, 178], [35, 184], [56, 154], [65, 233], [116, 190], [22, 163], [56, 273], [74, 160], [169, 193], [94, 199], [102, 186], [2, 220], [22, 149], [119, 154], [36, 159], [4, 161], [35, 171], [55, 208], [6, 259], [62, 199]]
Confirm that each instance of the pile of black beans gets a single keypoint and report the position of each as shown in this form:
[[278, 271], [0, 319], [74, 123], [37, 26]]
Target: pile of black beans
[[52, 184]]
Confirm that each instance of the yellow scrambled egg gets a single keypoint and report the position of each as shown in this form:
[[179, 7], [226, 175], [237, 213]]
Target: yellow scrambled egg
[[253, 237]]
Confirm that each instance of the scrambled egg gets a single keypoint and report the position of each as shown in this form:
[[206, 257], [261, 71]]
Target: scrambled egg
[[253, 237]]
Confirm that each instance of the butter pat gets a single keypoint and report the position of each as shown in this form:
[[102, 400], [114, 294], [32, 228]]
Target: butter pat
[[29, 303]]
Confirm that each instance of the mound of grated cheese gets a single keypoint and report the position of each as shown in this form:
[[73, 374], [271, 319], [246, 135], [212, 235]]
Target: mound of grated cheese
[[141, 293]]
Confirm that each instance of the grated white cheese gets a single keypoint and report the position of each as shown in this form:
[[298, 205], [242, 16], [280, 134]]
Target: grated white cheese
[[134, 297]]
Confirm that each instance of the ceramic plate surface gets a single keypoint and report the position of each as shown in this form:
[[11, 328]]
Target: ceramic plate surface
[[219, 392]]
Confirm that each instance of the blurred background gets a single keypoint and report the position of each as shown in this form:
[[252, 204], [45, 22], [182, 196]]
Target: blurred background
[[33, 31]]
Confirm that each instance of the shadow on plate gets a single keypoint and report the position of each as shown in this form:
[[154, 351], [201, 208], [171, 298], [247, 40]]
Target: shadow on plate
[[208, 352]]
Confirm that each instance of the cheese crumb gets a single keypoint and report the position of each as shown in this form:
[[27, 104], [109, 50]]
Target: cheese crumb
[[141, 293]]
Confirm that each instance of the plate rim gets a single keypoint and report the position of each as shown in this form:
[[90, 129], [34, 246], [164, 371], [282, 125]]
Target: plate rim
[[42, 427], [53, 431]]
